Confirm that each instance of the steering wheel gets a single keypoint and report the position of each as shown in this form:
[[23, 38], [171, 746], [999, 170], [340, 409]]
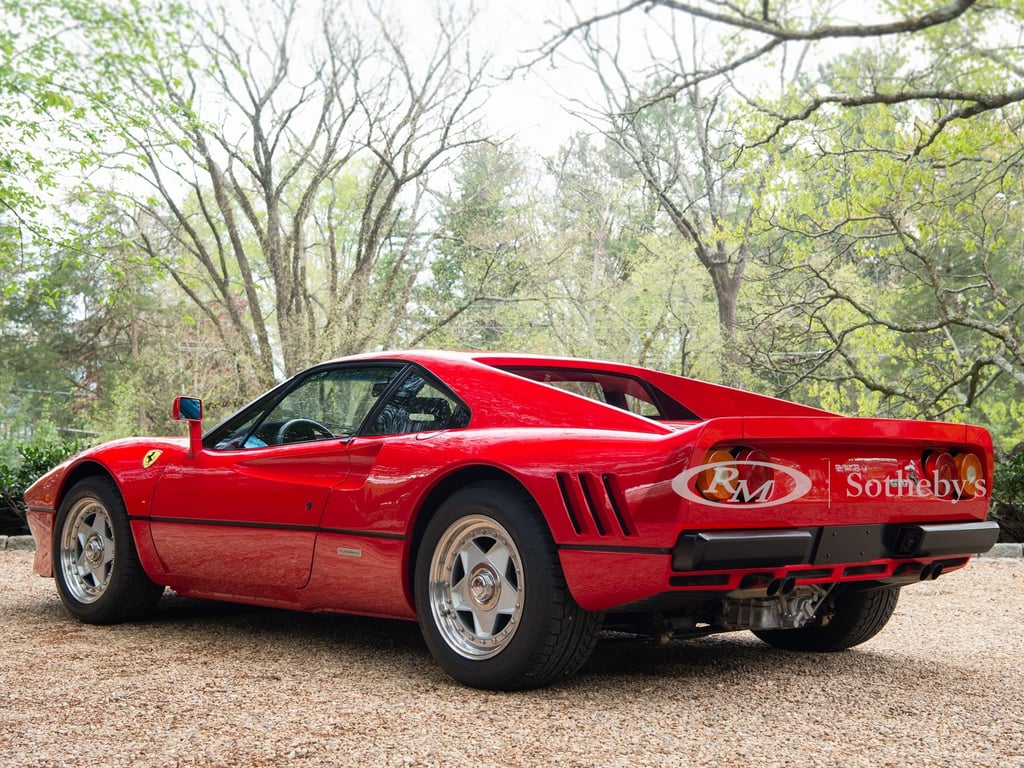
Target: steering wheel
[[308, 427]]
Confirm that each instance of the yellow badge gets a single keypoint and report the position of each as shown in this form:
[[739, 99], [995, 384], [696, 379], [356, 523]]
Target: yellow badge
[[150, 458]]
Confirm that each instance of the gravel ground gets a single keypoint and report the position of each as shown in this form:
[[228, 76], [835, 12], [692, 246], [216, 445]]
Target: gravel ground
[[205, 684]]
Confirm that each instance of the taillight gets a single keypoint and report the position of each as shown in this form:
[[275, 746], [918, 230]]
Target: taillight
[[969, 471], [739, 474], [954, 477], [940, 469], [754, 470]]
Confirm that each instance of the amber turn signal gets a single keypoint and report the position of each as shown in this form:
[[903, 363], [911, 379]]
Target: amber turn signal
[[742, 475], [971, 474], [709, 482]]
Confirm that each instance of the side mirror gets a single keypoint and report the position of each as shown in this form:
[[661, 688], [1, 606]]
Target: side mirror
[[190, 409]]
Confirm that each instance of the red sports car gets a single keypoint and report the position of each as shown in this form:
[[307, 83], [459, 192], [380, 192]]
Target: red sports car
[[516, 504]]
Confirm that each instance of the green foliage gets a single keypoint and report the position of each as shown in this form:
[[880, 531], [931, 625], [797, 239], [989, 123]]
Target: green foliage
[[898, 291], [1008, 498], [486, 278], [36, 459], [65, 295]]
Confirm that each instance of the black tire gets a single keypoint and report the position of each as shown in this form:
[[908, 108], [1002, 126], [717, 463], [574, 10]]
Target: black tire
[[491, 598], [95, 563], [853, 617]]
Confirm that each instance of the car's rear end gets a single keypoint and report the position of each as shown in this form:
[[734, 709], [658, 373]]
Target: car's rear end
[[776, 518], [833, 499]]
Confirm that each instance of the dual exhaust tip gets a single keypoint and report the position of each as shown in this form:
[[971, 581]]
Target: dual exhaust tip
[[781, 587], [931, 572], [786, 586]]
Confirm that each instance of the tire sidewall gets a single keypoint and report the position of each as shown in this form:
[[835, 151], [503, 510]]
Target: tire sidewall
[[107, 607], [857, 615], [512, 666]]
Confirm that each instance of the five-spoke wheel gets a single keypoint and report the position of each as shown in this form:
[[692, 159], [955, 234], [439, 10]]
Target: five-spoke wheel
[[99, 577], [493, 604], [475, 587], [87, 549]]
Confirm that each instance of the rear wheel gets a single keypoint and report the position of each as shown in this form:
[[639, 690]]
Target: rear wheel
[[99, 577], [492, 602], [852, 618]]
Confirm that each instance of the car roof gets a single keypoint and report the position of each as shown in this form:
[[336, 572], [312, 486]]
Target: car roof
[[704, 399]]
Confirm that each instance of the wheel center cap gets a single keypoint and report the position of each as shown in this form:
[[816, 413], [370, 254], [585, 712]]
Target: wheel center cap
[[484, 586], [94, 550]]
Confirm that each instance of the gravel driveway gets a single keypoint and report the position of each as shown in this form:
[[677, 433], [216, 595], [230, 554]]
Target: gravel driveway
[[206, 684]]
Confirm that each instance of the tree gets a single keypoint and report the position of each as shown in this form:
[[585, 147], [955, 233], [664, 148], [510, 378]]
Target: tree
[[619, 290], [60, 294], [38, 85], [488, 271], [758, 37], [900, 288], [877, 159], [290, 166], [683, 151]]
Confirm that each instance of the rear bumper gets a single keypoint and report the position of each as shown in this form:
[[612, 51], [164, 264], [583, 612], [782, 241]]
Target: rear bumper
[[706, 563], [829, 545]]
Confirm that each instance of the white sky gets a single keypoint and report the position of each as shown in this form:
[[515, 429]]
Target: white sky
[[530, 106], [527, 107]]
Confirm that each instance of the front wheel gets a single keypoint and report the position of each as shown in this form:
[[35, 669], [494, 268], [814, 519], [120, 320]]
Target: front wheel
[[492, 602], [99, 577], [852, 618]]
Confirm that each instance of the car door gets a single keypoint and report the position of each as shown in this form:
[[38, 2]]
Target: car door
[[242, 516]]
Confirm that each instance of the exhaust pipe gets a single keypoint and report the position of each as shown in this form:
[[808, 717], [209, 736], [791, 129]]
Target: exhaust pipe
[[781, 587], [932, 571]]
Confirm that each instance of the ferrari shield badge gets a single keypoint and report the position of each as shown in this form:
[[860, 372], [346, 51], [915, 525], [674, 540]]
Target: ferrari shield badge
[[150, 458]]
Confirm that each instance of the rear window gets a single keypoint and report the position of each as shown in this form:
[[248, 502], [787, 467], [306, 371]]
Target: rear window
[[626, 392]]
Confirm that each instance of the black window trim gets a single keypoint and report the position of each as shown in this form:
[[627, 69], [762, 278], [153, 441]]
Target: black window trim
[[269, 400], [396, 384]]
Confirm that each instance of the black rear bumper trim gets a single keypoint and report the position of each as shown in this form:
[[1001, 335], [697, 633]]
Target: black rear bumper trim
[[829, 545]]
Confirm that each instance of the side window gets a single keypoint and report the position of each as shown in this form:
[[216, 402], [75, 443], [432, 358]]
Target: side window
[[418, 406], [327, 404]]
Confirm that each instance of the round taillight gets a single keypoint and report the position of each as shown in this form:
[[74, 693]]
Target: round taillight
[[940, 469], [756, 477], [715, 482], [969, 472]]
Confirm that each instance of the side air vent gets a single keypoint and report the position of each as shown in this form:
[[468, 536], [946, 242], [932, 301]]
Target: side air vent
[[595, 504]]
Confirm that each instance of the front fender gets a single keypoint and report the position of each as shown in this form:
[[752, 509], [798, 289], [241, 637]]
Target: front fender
[[135, 465]]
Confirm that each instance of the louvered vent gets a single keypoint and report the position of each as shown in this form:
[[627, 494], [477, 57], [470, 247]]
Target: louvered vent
[[595, 504]]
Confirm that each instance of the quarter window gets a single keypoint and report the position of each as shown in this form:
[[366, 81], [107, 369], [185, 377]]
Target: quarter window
[[417, 406]]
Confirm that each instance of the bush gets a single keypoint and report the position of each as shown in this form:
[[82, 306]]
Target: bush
[[36, 461], [1008, 498]]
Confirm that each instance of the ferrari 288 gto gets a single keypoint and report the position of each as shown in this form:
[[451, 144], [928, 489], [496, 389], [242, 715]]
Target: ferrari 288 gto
[[514, 505]]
